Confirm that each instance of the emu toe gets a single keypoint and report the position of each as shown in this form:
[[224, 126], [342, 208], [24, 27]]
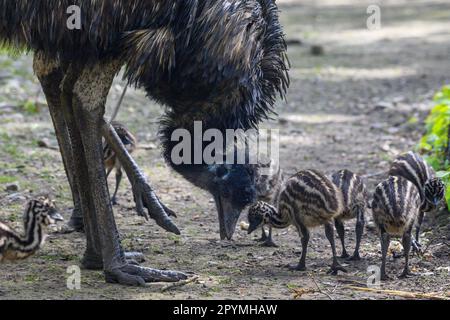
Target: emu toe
[[354, 257], [269, 243], [335, 268], [297, 267], [131, 275], [406, 274], [135, 257]]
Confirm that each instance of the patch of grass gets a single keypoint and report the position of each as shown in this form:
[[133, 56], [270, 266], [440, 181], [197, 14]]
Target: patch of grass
[[7, 179], [30, 107], [176, 239], [31, 278]]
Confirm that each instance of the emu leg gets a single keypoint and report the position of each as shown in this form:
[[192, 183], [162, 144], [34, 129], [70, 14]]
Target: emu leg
[[385, 241], [144, 195], [90, 94], [359, 230], [269, 241], [263, 235], [335, 267], [118, 180], [416, 241], [341, 232], [51, 76], [92, 259], [407, 241], [304, 235]]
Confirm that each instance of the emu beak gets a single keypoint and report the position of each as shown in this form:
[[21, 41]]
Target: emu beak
[[252, 228], [228, 218], [56, 216], [436, 202]]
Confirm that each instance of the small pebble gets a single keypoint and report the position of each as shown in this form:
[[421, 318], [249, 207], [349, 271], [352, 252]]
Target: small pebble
[[12, 187]]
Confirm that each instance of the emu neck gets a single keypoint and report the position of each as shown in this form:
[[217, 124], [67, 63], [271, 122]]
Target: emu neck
[[192, 170], [31, 240], [280, 219]]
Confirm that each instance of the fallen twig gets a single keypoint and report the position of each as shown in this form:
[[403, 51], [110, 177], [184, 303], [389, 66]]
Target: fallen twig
[[403, 294], [300, 292], [319, 289], [179, 284]]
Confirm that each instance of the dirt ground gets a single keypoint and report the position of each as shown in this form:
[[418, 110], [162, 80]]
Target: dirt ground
[[356, 106]]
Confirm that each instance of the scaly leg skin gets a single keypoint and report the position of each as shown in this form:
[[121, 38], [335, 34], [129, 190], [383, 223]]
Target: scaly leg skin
[[359, 230], [341, 232], [144, 195], [417, 247], [90, 93], [304, 235], [92, 259], [335, 267], [407, 240], [118, 180], [50, 75], [263, 235], [385, 241], [269, 241]]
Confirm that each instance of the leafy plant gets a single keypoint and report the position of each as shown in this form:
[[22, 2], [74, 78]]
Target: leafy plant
[[435, 143]]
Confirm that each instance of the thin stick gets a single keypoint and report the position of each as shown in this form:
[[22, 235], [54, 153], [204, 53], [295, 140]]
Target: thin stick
[[319, 289], [179, 284], [404, 294], [119, 103]]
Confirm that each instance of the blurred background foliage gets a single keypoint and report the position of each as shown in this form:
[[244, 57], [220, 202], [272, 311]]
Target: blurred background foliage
[[435, 143]]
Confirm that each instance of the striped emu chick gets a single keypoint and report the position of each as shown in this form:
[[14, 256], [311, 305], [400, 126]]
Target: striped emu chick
[[355, 203], [413, 167], [396, 206], [110, 158], [269, 183], [308, 199], [38, 214]]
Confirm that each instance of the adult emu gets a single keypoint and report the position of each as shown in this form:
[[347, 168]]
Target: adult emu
[[219, 62]]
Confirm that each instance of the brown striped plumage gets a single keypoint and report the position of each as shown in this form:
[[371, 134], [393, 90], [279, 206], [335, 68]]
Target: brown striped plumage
[[308, 199], [355, 204], [269, 183], [38, 214], [111, 160], [413, 167], [396, 206]]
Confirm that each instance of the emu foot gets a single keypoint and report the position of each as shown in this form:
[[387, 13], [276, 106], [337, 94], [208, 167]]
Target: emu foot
[[406, 274], [145, 197], [94, 262], [268, 243], [263, 238], [335, 268], [75, 224], [134, 258], [354, 257], [131, 275], [416, 247], [114, 201], [297, 267], [345, 255]]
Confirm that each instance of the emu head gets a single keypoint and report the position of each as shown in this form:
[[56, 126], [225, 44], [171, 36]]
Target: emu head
[[233, 188], [259, 214], [43, 210], [434, 191]]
